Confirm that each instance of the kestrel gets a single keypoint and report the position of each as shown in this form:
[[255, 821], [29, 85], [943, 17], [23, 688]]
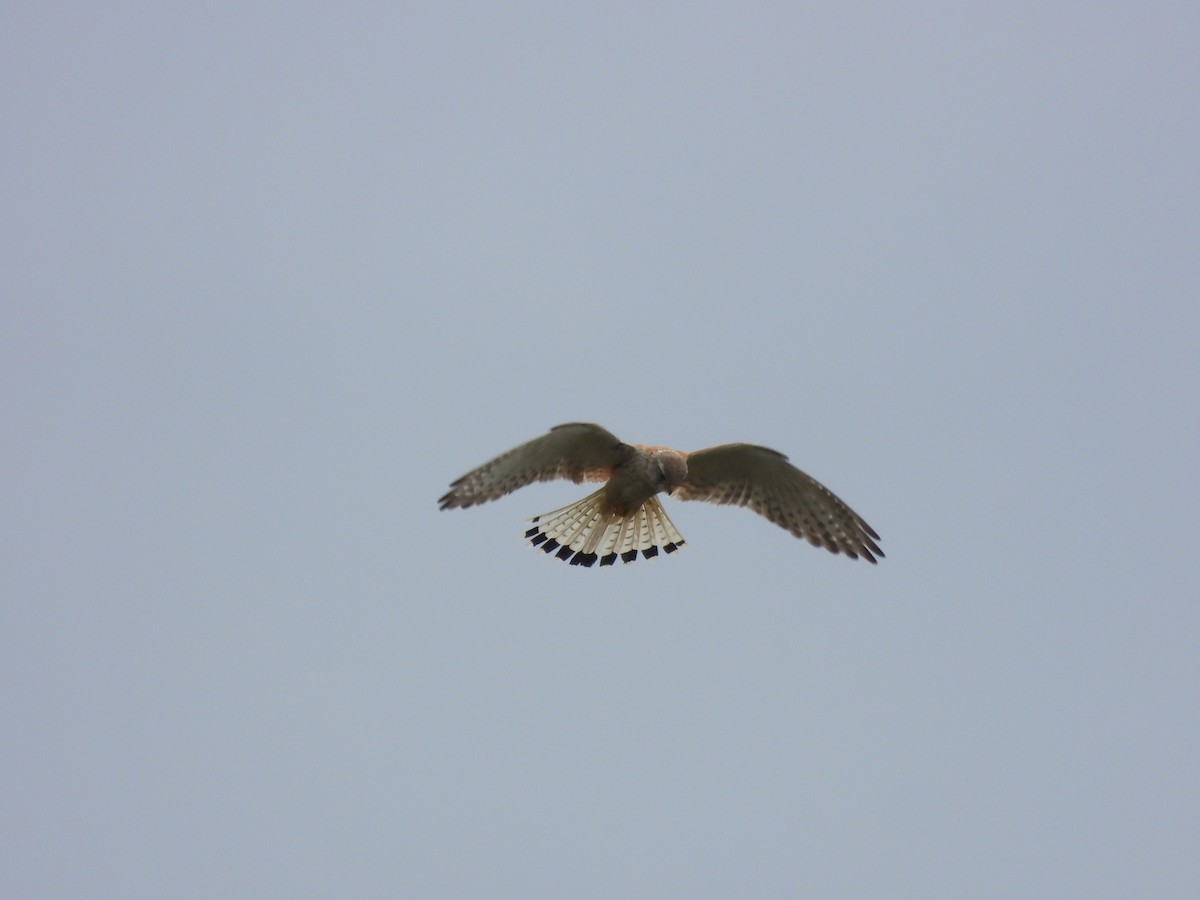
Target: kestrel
[[625, 516]]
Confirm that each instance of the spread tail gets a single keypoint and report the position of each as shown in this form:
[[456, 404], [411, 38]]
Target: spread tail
[[583, 533]]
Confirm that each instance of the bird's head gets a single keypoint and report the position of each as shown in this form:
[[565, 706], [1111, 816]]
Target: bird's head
[[669, 468]]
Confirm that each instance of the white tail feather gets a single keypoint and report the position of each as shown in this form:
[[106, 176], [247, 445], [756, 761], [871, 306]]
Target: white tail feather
[[577, 531]]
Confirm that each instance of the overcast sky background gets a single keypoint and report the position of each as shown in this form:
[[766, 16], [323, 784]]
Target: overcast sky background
[[274, 275]]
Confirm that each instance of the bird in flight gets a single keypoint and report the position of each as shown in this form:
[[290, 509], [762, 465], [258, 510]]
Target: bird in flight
[[625, 515]]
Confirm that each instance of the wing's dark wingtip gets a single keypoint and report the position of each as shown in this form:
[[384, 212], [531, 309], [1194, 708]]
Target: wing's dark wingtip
[[863, 551]]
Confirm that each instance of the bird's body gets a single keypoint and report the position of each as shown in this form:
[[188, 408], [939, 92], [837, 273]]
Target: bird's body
[[625, 515]]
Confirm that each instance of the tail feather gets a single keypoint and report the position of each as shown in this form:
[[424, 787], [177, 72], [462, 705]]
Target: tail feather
[[578, 531]]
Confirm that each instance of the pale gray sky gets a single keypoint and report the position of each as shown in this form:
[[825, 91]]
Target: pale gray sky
[[274, 275]]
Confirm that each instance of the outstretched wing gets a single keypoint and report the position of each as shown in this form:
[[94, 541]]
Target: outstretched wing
[[579, 451], [764, 480]]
